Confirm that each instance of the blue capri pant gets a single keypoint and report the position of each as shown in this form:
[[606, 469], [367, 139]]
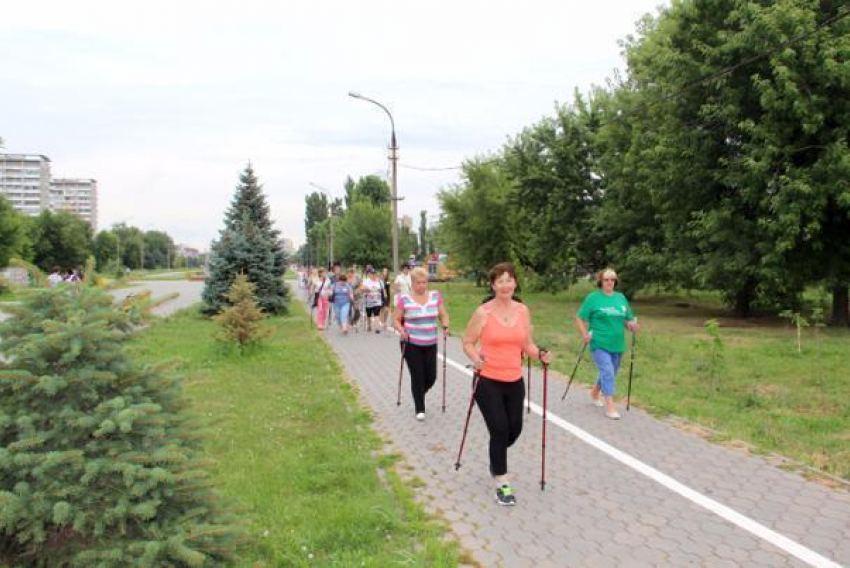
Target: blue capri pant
[[341, 311], [608, 364]]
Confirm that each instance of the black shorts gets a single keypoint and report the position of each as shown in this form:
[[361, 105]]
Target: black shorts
[[373, 311]]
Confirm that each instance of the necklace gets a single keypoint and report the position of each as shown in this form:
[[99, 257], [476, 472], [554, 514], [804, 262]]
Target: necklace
[[506, 317]]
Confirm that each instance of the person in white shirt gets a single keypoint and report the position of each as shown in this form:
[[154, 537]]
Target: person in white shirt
[[373, 289], [401, 284], [55, 278]]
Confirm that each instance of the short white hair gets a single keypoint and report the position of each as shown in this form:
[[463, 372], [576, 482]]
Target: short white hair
[[417, 273]]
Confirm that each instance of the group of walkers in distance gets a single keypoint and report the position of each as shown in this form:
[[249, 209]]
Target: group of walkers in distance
[[56, 277], [497, 338], [351, 297]]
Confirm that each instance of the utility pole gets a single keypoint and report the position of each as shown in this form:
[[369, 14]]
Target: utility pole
[[393, 172]]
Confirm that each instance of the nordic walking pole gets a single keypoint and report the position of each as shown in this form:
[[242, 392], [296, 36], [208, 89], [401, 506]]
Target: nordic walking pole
[[573, 374], [401, 372], [543, 446], [528, 387], [476, 376], [445, 334], [631, 370]]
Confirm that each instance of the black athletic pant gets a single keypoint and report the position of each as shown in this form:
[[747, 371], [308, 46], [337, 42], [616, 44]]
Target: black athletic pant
[[422, 364], [501, 405]]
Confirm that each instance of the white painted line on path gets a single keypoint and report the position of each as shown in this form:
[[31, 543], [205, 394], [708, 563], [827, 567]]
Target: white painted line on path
[[793, 548]]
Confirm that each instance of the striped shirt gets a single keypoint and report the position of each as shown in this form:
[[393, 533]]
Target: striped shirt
[[420, 321]]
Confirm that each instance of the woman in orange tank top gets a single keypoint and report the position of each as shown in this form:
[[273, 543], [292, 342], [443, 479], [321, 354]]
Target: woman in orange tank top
[[497, 336]]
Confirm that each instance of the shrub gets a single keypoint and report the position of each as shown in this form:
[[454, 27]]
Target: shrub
[[240, 323]]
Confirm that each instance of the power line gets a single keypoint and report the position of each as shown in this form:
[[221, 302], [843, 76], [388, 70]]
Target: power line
[[710, 77]]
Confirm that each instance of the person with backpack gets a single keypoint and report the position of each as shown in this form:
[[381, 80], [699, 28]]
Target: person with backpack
[[415, 319], [497, 336]]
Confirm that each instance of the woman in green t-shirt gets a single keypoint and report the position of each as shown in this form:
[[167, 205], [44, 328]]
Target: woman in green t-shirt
[[601, 320]]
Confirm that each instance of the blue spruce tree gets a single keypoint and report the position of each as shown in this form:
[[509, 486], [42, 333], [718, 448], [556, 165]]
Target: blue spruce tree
[[100, 463], [249, 244]]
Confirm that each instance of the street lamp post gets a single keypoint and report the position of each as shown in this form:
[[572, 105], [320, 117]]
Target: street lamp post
[[393, 174]]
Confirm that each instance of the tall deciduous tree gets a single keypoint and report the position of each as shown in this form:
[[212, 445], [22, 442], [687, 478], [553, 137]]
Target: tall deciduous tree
[[423, 234], [373, 189], [556, 191], [318, 241], [475, 225], [749, 168], [350, 191], [159, 249], [248, 245], [363, 234], [60, 239], [130, 244], [106, 250], [408, 244], [316, 210], [13, 232]]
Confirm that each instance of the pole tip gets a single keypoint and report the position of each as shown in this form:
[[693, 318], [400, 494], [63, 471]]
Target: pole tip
[[457, 466]]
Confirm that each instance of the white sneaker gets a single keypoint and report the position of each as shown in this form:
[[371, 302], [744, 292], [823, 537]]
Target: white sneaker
[[613, 415], [421, 416], [597, 401]]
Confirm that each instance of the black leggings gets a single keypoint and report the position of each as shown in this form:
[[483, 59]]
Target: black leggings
[[501, 405], [422, 364]]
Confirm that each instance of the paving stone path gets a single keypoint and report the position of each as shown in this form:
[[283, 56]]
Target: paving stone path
[[634, 492]]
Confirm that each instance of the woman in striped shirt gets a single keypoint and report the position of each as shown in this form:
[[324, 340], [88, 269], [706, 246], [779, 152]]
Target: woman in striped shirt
[[415, 319]]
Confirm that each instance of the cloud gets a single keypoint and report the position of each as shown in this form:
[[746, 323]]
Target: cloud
[[164, 103]]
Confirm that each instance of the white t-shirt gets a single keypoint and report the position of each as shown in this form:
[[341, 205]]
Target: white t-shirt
[[374, 292], [402, 281]]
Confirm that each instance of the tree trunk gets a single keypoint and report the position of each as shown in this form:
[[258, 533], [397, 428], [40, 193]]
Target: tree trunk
[[744, 299], [840, 312]]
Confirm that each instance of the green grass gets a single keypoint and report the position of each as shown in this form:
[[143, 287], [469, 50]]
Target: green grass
[[9, 296], [179, 273], [289, 442], [765, 393]]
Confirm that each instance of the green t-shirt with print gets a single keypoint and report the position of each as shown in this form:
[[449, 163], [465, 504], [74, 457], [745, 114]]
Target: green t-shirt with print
[[607, 316]]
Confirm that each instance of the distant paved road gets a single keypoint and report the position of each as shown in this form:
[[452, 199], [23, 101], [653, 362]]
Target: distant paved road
[[190, 293]]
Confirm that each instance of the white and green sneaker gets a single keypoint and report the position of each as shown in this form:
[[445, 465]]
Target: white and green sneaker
[[505, 495]]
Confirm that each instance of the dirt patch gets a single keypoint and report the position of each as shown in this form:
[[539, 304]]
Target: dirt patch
[[768, 390], [692, 427]]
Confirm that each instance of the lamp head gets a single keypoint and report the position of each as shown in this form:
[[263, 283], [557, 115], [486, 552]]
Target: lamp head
[[354, 94]]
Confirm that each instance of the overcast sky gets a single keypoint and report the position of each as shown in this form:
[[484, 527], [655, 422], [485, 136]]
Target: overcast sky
[[164, 103]]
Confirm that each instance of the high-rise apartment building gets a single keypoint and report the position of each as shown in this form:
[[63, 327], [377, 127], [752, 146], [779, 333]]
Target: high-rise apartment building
[[25, 181], [78, 196]]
